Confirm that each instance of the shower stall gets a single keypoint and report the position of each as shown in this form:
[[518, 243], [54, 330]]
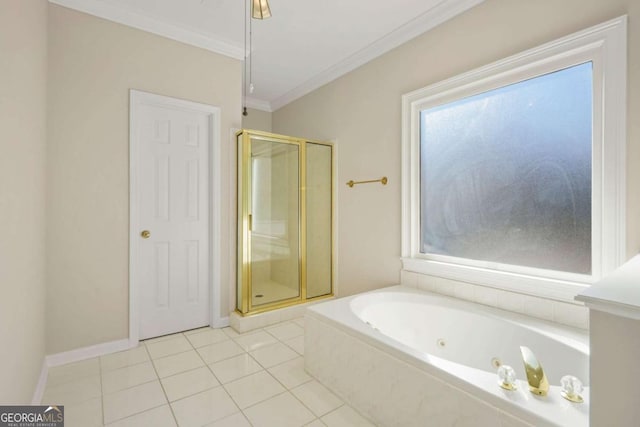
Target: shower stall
[[285, 221]]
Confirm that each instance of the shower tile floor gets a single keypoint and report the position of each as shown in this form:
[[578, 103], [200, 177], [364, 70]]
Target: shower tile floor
[[205, 377], [270, 291]]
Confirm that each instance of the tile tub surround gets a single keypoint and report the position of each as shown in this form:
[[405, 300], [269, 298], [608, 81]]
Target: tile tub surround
[[205, 377], [574, 315], [399, 386]]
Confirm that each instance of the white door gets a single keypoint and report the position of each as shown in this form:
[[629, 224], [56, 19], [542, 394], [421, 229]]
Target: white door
[[173, 219]]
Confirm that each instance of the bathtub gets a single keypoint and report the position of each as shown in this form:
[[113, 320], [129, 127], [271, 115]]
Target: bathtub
[[404, 357]]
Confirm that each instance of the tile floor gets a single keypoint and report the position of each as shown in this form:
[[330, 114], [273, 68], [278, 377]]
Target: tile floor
[[204, 377]]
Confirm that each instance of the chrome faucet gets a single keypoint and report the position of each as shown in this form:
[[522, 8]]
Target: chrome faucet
[[538, 383]]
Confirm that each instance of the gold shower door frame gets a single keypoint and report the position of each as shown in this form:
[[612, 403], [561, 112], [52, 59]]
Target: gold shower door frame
[[244, 301]]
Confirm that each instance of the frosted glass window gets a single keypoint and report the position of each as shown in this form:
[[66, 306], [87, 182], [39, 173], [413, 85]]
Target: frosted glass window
[[506, 175]]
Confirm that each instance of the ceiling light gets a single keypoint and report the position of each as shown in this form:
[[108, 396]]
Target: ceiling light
[[260, 9]]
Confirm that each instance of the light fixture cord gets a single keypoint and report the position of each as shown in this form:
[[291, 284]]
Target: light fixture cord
[[244, 64], [251, 51]]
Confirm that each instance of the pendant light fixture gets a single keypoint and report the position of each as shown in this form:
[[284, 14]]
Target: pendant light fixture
[[259, 10]]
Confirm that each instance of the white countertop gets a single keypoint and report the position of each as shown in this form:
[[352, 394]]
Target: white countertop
[[618, 293]]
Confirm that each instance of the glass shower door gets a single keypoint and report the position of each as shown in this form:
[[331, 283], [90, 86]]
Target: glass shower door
[[285, 221], [319, 212], [274, 221]]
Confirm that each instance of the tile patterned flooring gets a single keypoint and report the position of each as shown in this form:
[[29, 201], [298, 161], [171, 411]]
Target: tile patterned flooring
[[205, 377]]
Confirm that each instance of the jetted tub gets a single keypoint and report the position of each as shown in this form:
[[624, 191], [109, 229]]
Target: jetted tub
[[405, 357]]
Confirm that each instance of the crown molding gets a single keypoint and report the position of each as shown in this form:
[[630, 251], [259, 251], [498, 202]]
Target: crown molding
[[258, 104], [421, 24], [134, 19]]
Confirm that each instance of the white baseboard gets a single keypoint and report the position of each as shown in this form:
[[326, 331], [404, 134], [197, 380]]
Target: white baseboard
[[87, 352], [42, 383], [222, 322]]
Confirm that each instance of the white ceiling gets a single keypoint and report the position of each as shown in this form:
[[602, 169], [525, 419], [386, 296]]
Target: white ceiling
[[303, 46]]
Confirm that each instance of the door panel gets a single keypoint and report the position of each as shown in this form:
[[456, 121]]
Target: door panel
[[319, 211], [275, 223], [174, 207]]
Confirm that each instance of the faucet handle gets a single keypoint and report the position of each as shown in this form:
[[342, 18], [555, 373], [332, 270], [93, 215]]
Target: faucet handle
[[507, 377], [571, 388], [538, 383]]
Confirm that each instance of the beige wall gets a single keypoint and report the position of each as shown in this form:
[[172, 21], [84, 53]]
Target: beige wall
[[362, 110], [257, 120], [23, 77], [93, 64]]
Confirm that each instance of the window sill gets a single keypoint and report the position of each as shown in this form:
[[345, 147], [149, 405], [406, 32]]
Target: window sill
[[542, 287]]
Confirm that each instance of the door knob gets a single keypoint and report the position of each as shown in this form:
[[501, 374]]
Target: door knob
[[145, 234]]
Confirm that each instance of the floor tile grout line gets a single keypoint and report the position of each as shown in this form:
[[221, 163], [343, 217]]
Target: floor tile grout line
[[256, 360], [101, 392], [263, 400], [268, 398], [102, 373], [244, 336], [340, 407], [126, 367], [241, 376], [194, 394], [123, 367], [212, 343], [266, 329], [241, 412], [231, 398], [285, 361], [315, 417], [226, 358], [163, 390], [187, 371], [268, 345], [290, 388], [55, 384], [208, 367], [311, 410], [130, 387], [137, 413], [149, 360], [211, 370], [146, 410], [247, 418], [133, 415], [83, 378], [174, 354], [286, 388], [201, 391], [291, 347], [220, 384], [284, 340], [224, 330]]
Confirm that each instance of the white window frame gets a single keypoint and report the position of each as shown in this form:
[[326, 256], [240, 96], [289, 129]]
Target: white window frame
[[604, 45]]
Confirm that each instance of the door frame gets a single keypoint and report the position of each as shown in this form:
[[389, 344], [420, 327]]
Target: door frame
[[138, 98]]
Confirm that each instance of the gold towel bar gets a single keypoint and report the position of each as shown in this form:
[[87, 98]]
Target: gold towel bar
[[383, 180]]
